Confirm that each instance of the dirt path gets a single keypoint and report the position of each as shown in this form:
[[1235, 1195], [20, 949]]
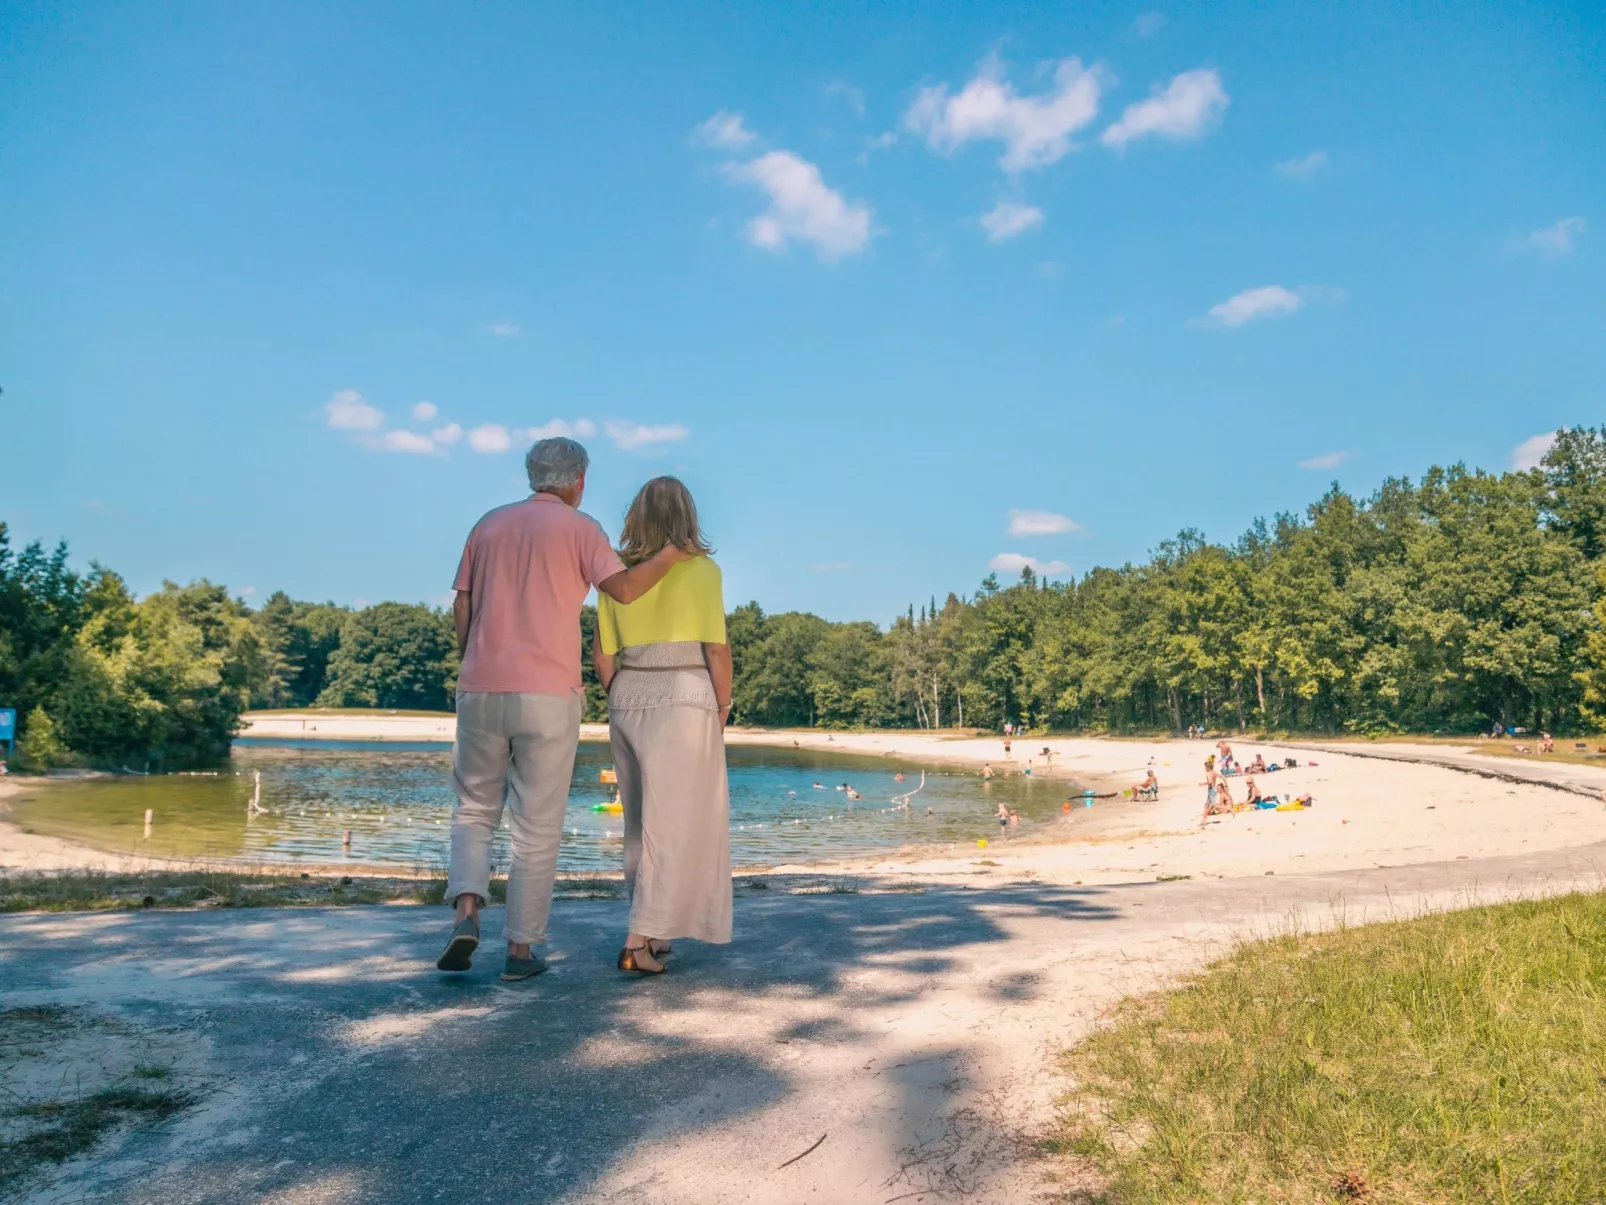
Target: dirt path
[[915, 1030]]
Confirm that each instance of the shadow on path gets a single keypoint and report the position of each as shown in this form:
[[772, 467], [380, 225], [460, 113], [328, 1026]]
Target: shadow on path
[[342, 1067]]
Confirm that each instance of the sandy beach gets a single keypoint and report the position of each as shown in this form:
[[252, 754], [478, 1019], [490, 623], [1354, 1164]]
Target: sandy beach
[[1373, 807]]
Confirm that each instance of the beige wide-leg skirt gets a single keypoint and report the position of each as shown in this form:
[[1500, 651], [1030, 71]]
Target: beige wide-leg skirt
[[671, 764]]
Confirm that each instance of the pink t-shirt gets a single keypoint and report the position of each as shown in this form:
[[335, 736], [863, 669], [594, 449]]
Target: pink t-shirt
[[528, 566]]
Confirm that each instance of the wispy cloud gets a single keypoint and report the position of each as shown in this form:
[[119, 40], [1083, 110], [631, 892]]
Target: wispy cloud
[[1035, 130], [801, 207], [726, 131], [1148, 24], [1267, 301], [1531, 451], [246, 591], [1185, 108], [1558, 239], [1303, 167], [1007, 219], [852, 96], [424, 411], [640, 437], [348, 410], [410, 442], [578, 429], [490, 437], [832, 566], [506, 330], [1014, 562], [1039, 523], [1327, 460], [448, 435]]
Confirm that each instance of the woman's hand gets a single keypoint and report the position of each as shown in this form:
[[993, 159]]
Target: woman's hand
[[718, 659]]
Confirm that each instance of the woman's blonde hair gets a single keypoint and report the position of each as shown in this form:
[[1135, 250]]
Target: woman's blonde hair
[[663, 513]]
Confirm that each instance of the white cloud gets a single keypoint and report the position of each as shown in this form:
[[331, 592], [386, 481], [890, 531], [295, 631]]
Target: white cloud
[[506, 330], [637, 437], [724, 130], [348, 411], [1557, 239], [1035, 130], [424, 411], [1265, 302], [1039, 523], [801, 207], [1014, 562], [1303, 167], [852, 95], [832, 566], [580, 427], [1007, 219], [1531, 451], [1186, 108], [490, 437], [1148, 24], [410, 442], [1327, 460], [247, 591], [448, 435], [880, 142]]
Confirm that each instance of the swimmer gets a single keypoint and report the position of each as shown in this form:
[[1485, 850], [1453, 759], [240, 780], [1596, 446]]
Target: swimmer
[[986, 770], [1003, 819], [818, 787], [930, 811], [898, 777], [852, 794]]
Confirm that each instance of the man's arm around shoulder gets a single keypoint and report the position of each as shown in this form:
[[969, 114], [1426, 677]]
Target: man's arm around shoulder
[[635, 581]]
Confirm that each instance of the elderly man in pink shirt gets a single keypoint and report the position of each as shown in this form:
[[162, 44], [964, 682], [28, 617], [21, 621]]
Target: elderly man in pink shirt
[[525, 572]]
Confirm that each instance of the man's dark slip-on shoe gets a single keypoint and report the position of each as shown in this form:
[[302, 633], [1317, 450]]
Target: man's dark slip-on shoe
[[522, 968], [465, 937]]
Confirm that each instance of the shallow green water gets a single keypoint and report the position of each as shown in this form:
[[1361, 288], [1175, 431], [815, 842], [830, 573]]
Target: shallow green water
[[397, 804]]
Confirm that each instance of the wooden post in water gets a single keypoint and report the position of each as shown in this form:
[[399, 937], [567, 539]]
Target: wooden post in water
[[148, 814]]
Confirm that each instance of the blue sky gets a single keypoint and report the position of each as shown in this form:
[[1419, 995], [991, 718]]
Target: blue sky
[[897, 289]]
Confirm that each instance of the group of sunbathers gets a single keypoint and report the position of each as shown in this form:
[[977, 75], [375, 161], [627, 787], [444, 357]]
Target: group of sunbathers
[[1219, 766]]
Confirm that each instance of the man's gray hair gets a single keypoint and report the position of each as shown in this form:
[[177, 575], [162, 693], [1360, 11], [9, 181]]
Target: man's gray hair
[[555, 463]]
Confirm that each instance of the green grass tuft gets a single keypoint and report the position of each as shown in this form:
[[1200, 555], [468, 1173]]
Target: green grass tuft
[[65, 1128], [1455, 1057]]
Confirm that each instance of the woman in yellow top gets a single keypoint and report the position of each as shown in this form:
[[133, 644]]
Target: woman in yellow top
[[666, 665]]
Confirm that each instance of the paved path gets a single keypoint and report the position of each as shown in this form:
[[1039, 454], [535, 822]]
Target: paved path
[[914, 1030], [1587, 780]]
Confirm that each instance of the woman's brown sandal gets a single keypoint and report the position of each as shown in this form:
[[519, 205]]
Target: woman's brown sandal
[[640, 960]]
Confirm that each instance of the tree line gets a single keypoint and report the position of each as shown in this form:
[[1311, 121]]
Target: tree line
[[1445, 605]]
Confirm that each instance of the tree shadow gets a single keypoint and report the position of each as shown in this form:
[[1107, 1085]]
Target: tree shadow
[[344, 1060]]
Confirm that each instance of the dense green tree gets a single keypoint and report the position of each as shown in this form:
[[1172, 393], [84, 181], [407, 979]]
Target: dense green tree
[[298, 638], [393, 655]]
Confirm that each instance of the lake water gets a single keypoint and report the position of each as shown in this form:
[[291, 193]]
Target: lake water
[[396, 800]]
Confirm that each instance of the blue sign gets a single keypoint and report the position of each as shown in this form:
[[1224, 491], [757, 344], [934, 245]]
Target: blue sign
[[8, 723]]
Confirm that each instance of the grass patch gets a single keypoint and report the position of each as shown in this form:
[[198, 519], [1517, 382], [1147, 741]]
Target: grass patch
[[61, 1129], [1455, 1057], [98, 891]]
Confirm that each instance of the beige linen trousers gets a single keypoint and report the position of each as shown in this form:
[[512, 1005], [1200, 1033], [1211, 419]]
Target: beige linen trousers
[[669, 750]]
